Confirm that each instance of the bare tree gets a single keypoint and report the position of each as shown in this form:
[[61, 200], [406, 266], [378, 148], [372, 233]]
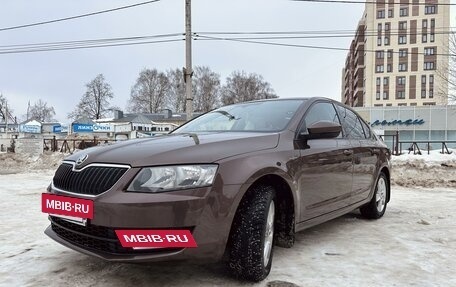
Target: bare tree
[[40, 111], [242, 87], [5, 110], [95, 102], [149, 93], [176, 92], [206, 87], [447, 70]]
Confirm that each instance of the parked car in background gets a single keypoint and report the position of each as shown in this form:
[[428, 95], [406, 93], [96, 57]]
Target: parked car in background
[[234, 182]]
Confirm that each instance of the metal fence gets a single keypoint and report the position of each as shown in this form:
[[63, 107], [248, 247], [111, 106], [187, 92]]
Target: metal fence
[[70, 145]]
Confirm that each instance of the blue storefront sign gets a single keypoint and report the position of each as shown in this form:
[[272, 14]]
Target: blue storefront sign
[[32, 129], [82, 128], [57, 129]]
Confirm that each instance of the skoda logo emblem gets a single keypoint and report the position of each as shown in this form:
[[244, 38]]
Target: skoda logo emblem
[[81, 159]]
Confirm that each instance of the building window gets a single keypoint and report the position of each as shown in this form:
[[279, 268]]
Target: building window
[[402, 67], [430, 9], [403, 12], [387, 26], [429, 66], [379, 41], [400, 95], [387, 41], [385, 95], [424, 38], [389, 68], [423, 94], [377, 95], [379, 27], [390, 13], [431, 37], [402, 39], [424, 24], [431, 93], [378, 80], [402, 53], [380, 14], [431, 79], [379, 69], [429, 51], [385, 81], [403, 25], [400, 81], [380, 54], [432, 23], [402, 104], [389, 54], [423, 79]]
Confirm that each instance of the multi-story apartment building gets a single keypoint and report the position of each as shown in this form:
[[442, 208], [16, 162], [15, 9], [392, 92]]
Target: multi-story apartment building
[[398, 55]]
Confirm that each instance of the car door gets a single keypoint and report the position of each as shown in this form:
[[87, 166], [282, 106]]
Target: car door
[[324, 168], [364, 153]]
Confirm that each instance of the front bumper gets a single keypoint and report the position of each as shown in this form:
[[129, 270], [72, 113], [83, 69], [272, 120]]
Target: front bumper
[[206, 212]]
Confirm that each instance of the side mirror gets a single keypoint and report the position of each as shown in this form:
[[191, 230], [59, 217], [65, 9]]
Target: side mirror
[[322, 130]]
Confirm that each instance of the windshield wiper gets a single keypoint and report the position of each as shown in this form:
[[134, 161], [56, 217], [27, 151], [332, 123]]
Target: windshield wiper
[[227, 114]]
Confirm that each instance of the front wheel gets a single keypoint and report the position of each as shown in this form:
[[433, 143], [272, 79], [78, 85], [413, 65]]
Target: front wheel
[[377, 206], [252, 235]]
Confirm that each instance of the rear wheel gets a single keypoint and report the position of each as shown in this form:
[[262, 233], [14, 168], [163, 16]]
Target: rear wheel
[[252, 235], [377, 206]]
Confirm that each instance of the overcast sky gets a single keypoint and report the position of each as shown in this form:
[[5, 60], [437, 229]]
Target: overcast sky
[[59, 77]]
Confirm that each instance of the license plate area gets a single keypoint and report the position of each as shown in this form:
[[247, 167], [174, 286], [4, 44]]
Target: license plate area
[[71, 219], [76, 210]]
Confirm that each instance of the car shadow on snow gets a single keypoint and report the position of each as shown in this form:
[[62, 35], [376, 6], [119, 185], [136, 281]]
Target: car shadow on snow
[[70, 266]]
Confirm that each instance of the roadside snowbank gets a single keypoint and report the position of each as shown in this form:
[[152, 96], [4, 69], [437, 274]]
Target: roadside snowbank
[[424, 170], [409, 170]]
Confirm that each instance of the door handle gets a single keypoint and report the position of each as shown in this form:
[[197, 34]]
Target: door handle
[[348, 152]]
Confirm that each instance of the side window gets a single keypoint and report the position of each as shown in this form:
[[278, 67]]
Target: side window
[[350, 123], [320, 112], [366, 129]]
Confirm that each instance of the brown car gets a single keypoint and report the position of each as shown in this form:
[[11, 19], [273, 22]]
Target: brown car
[[234, 182]]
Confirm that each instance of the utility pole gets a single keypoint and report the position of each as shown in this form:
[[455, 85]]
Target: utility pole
[[6, 119], [188, 72]]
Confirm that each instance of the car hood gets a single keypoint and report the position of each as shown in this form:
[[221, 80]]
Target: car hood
[[178, 149]]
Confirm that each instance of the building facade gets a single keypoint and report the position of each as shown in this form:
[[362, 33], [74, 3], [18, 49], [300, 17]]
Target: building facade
[[425, 123], [398, 55]]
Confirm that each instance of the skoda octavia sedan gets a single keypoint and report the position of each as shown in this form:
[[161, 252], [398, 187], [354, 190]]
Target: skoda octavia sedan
[[227, 186]]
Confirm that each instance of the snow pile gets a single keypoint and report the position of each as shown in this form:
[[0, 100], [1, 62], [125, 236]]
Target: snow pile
[[424, 170], [11, 163], [435, 169]]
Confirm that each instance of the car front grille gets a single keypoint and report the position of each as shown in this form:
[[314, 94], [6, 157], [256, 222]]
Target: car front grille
[[97, 238], [92, 180]]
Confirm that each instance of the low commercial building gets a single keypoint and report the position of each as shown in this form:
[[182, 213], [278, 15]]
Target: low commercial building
[[425, 123]]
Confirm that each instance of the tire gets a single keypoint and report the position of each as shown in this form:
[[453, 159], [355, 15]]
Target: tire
[[252, 235], [377, 206]]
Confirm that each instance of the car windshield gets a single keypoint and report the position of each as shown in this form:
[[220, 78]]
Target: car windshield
[[264, 116]]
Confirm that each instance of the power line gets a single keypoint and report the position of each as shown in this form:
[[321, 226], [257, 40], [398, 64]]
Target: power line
[[334, 36], [374, 2], [88, 41], [304, 46], [305, 32], [76, 17], [76, 47]]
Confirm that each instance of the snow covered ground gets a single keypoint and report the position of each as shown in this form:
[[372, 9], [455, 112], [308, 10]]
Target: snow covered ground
[[414, 244]]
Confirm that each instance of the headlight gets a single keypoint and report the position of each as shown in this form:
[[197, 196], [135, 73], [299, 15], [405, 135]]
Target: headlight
[[158, 179]]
